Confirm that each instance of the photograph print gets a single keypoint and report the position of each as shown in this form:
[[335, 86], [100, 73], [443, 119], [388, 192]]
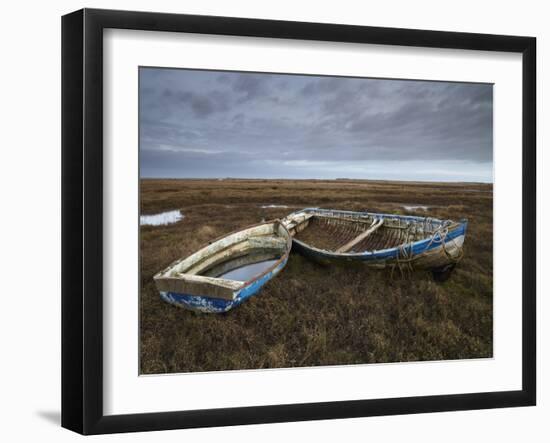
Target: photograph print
[[292, 221]]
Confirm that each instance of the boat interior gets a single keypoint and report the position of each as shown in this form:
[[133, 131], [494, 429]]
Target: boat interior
[[355, 233], [244, 250]]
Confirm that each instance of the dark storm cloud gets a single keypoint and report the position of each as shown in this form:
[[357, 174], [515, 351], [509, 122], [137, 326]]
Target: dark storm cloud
[[249, 86], [202, 105], [221, 124]]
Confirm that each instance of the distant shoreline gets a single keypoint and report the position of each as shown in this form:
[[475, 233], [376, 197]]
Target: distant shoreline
[[351, 180]]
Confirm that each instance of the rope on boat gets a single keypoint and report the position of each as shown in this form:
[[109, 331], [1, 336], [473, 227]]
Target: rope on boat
[[403, 264], [405, 254], [442, 232]]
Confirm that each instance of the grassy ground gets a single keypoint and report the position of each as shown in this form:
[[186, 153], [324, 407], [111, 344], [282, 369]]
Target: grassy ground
[[311, 315]]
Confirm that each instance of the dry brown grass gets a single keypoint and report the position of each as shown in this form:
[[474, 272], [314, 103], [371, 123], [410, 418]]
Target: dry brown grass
[[311, 315]]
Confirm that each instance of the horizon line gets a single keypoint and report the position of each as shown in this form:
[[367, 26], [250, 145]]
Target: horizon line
[[319, 179]]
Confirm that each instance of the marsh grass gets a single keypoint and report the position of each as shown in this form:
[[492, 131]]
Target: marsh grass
[[311, 314]]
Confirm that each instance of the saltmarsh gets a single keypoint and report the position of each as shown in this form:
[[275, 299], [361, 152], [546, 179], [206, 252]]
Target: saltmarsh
[[312, 315]]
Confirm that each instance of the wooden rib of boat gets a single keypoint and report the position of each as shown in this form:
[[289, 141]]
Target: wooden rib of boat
[[228, 271], [379, 240]]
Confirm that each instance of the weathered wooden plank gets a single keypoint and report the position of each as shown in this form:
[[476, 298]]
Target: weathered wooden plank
[[363, 220], [199, 285], [296, 222], [374, 227]]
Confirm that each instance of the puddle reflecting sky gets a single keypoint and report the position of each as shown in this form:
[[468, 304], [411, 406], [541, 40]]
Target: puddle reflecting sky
[[248, 272], [164, 218]]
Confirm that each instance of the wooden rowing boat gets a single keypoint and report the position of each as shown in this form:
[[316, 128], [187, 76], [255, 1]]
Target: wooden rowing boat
[[228, 271], [378, 240]]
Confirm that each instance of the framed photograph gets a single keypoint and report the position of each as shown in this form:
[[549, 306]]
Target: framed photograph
[[268, 221]]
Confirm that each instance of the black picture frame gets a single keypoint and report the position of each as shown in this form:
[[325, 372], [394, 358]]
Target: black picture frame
[[82, 218]]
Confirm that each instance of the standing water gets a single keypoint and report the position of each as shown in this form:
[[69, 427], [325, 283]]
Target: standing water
[[164, 218], [415, 207], [248, 272], [273, 206]]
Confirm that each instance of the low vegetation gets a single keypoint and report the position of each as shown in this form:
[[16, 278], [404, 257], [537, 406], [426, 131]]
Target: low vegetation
[[312, 315]]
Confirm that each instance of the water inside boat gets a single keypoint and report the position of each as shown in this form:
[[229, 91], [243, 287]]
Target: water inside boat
[[248, 272], [244, 267], [227, 265]]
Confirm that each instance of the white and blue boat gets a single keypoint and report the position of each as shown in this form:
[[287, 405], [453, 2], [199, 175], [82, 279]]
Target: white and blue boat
[[379, 240], [228, 271]]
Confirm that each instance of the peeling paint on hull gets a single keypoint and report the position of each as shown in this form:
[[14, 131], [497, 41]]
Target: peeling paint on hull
[[434, 251], [420, 251], [216, 305], [207, 281]]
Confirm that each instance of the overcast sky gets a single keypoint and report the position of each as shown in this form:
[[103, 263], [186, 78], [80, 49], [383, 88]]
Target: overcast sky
[[205, 124]]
